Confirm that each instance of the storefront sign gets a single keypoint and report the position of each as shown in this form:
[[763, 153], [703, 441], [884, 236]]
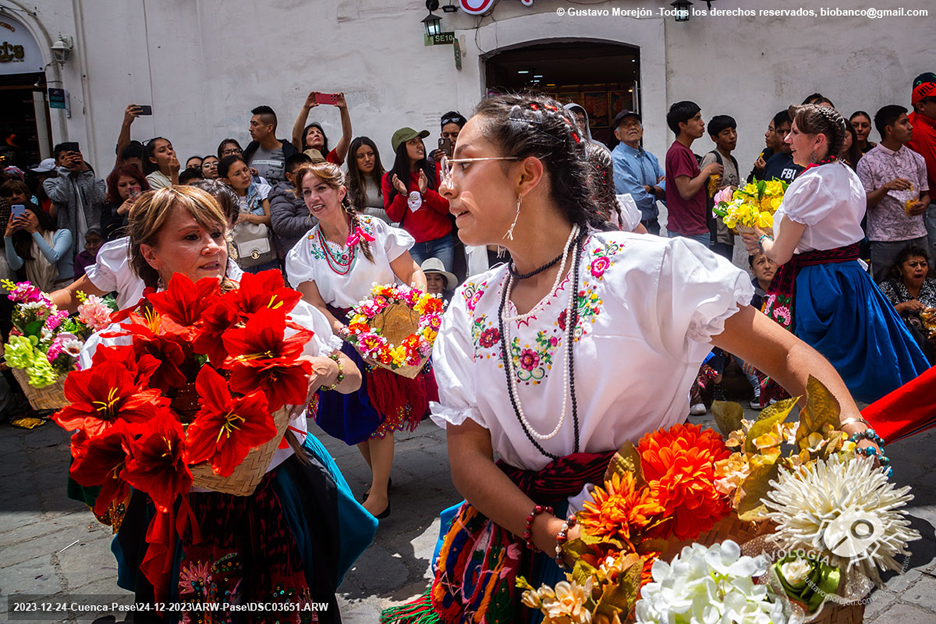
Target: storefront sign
[[19, 52], [483, 7], [58, 98]]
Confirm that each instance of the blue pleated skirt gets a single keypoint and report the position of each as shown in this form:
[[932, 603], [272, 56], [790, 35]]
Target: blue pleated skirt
[[841, 313], [349, 417]]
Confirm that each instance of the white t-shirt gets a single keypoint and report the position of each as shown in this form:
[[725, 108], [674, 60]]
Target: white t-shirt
[[647, 309], [830, 201], [323, 343], [158, 180], [308, 262], [111, 272]]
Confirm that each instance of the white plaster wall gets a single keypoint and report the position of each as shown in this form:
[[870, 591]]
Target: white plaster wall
[[203, 64]]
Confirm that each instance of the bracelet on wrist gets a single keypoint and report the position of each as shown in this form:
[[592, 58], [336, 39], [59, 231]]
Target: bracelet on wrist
[[561, 538], [528, 530], [340, 378], [762, 237]]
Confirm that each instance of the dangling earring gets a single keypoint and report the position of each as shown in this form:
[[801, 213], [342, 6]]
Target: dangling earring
[[509, 234], [501, 251]]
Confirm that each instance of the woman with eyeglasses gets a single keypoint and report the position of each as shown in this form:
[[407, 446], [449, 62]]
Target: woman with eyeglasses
[[586, 340], [160, 163], [209, 167], [411, 199]]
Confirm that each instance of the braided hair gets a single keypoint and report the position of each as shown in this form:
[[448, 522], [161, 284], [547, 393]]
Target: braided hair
[[331, 175], [601, 181], [812, 119], [532, 124]]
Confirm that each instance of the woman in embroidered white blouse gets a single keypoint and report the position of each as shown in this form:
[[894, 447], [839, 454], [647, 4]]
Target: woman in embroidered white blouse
[[644, 313]]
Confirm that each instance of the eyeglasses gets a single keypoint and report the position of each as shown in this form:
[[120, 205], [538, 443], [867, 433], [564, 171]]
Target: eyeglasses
[[231, 151], [448, 162]]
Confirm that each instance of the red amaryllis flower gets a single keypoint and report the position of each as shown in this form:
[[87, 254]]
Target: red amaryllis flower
[[183, 302], [101, 461], [260, 358], [262, 290], [172, 350], [679, 465], [216, 320], [225, 429], [156, 464], [106, 392]]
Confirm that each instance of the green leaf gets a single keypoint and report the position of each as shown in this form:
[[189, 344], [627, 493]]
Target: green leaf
[[626, 459], [821, 409], [755, 488], [575, 548], [621, 597], [582, 572], [34, 328], [728, 416], [767, 420]]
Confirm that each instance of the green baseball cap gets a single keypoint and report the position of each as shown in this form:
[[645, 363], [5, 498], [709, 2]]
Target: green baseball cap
[[403, 135]]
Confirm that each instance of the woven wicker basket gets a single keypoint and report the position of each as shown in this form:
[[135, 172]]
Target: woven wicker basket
[[396, 323], [751, 535], [248, 474], [51, 397]]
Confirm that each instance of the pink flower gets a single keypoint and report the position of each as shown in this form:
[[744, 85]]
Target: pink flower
[[770, 301], [55, 320], [473, 302], [529, 359], [783, 312], [55, 349], [553, 341], [599, 266], [94, 313]]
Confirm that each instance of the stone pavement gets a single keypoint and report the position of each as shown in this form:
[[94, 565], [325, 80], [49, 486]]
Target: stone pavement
[[53, 547]]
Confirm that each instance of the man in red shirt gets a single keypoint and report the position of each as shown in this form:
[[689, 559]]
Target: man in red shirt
[[685, 182], [923, 120]]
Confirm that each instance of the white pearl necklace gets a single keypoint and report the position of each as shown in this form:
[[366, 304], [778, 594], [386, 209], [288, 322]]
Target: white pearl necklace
[[542, 302], [567, 369]]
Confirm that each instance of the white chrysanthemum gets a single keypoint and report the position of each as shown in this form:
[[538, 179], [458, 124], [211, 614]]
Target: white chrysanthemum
[[846, 509], [711, 584]]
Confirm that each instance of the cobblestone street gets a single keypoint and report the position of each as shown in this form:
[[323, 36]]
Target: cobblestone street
[[51, 546]]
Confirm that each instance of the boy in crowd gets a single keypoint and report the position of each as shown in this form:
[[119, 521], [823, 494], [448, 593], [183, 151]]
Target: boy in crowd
[[894, 178], [265, 153], [636, 171], [685, 188], [781, 165], [723, 130], [289, 217]]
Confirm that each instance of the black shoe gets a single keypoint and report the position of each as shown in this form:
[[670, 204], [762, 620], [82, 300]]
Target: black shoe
[[389, 487], [386, 512]]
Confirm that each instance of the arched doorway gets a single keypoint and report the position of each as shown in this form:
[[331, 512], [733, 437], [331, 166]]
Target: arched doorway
[[602, 77], [24, 122]]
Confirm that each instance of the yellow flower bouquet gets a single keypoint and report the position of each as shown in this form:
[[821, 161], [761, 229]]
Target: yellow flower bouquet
[[751, 206]]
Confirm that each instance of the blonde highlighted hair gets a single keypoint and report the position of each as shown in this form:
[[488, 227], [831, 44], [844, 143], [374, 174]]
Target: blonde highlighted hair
[[153, 210], [332, 177]]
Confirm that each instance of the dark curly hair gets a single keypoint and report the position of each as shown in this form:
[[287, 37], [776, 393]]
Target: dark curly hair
[[812, 119], [601, 181], [532, 124]]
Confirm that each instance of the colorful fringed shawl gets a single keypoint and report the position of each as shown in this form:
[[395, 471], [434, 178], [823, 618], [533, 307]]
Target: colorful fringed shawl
[[478, 565]]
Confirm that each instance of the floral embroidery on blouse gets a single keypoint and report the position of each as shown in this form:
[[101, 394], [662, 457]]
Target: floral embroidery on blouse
[[339, 252], [533, 362]]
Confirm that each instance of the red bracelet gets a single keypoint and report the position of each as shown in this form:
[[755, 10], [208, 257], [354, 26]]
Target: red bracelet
[[528, 531], [561, 537]]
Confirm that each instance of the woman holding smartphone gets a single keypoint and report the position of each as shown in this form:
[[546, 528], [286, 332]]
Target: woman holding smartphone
[[33, 240], [124, 184], [312, 136]]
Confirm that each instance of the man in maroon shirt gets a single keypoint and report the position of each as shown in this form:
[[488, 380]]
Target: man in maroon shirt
[[923, 120], [685, 182]]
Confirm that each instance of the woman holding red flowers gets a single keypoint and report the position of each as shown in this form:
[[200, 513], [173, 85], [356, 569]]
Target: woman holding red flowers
[[296, 535], [586, 340], [334, 267]]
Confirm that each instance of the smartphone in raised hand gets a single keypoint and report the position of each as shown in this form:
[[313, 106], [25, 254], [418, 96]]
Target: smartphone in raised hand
[[326, 98], [446, 146], [18, 210], [146, 109]]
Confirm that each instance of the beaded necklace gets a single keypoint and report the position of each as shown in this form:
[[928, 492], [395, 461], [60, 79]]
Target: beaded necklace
[[343, 268], [575, 243]]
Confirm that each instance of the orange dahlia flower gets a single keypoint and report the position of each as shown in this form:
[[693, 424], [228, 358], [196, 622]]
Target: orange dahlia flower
[[619, 510], [679, 466]]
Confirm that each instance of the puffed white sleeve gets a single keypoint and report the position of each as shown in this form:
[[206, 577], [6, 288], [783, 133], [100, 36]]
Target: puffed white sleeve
[[111, 258], [324, 342], [697, 292], [453, 364], [116, 336], [630, 213], [810, 201], [394, 240], [299, 266]]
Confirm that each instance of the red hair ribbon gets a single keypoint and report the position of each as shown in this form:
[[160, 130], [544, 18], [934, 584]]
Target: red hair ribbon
[[356, 235]]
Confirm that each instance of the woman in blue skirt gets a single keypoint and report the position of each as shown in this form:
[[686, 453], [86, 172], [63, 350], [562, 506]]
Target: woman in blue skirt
[[335, 266], [821, 292]]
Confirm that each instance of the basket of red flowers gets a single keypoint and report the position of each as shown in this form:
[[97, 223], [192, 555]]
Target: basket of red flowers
[[193, 393]]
